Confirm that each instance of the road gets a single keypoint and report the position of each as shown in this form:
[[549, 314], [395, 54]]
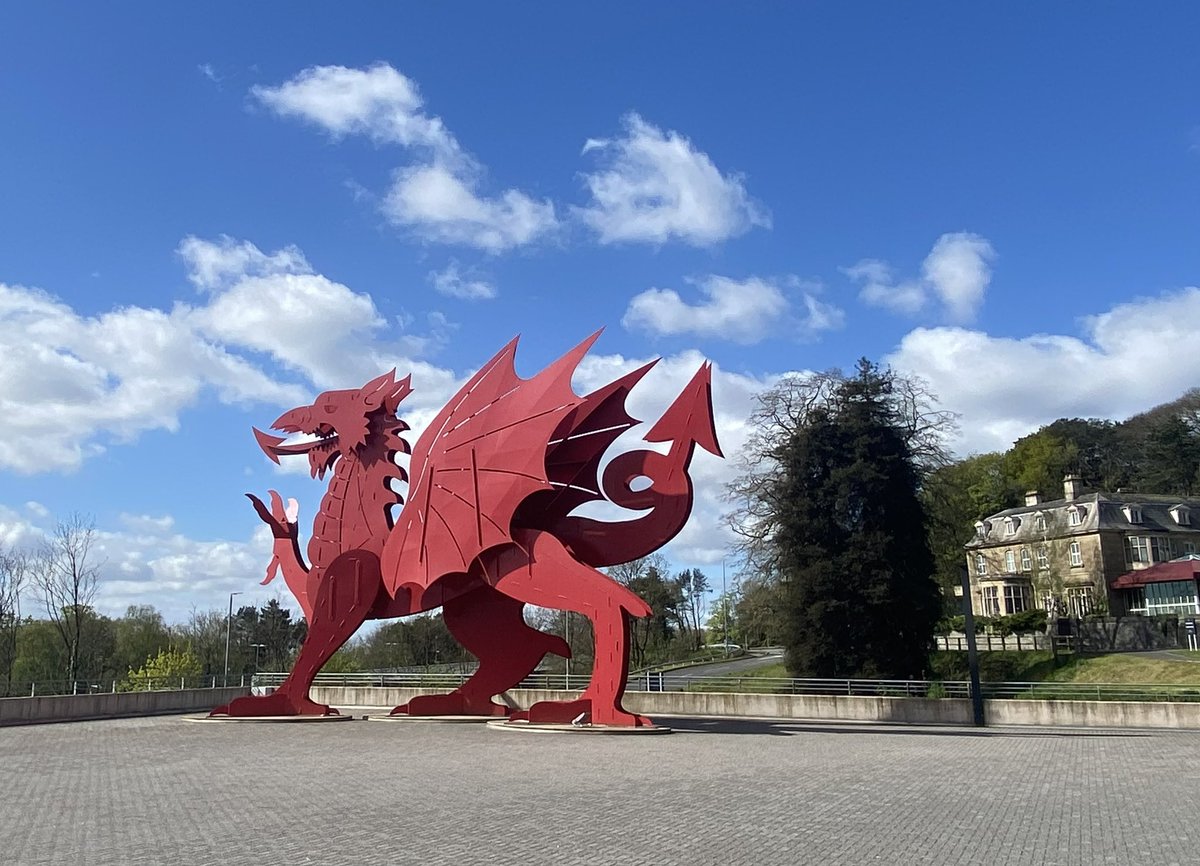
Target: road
[[677, 680]]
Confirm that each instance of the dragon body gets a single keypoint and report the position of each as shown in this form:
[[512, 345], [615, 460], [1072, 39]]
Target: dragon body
[[487, 527]]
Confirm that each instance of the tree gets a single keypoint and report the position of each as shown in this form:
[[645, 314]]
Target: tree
[[851, 539], [782, 413], [139, 635], [66, 580], [13, 567], [759, 612], [692, 586], [166, 669]]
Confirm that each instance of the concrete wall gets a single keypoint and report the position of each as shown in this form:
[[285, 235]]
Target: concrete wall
[[64, 708], [928, 711]]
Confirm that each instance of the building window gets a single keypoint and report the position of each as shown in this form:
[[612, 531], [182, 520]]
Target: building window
[[1189, 547], [1076, 554], [1039, 522], [1174, 596], [1160, 550], [1026, 562], [980, 564], [1010, 561], [1075, 516], [1133, 513], [1043, 555], [1137, 549], [1049, 602], [1010, 526], [1182, 515], [1016, 598], [1079, 600], [980, 530], [991, 601]]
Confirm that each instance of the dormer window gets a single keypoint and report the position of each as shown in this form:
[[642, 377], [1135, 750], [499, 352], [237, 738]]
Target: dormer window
[[980, 529], [1010, 526], [1133, 513], [1075, 516], [1182, 515], [1039, 522]]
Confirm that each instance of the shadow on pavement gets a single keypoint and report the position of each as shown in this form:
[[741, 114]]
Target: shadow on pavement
[[787, 728]]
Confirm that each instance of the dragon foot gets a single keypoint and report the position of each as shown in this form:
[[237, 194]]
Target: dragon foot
[[565, 712], [277, 704], [452, 704]]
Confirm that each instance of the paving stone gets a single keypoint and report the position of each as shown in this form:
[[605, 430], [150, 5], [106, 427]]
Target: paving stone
[[155, 791]]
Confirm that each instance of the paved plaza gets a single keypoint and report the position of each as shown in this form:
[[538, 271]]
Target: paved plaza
[[165, 791]]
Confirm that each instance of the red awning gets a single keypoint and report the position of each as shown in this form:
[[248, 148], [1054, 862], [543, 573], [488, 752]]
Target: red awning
[[1184, 569]]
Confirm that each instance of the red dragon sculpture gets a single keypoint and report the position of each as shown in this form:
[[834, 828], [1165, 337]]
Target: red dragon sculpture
[[487, 526]]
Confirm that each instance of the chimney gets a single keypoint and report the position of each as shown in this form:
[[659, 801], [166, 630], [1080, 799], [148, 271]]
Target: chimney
[[1072, 485], [1032, 497]]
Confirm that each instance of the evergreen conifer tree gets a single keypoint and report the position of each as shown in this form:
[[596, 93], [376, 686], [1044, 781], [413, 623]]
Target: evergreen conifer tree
[[861, 596]]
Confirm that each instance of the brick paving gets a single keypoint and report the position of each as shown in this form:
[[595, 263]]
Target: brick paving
[[718, 792]]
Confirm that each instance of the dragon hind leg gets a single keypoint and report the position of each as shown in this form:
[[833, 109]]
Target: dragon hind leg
[[549, 576], [492, 627], [347, 590]]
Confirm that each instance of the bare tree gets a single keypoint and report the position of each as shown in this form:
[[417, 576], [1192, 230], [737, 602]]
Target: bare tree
[[13, 568], [66, 580]]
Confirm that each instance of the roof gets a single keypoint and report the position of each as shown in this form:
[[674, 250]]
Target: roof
[[1099, 512], [1184, 568]]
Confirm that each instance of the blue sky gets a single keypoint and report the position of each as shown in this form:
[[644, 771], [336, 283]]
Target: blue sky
[[211, 214]]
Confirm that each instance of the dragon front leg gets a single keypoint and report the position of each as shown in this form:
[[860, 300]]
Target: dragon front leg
[[550, 577], [345, 596]]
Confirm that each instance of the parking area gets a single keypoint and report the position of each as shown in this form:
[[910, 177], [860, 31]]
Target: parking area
[[161, 790]]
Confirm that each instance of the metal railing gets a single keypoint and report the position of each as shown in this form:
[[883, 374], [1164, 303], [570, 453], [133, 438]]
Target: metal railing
[[678, 682], [47, 688]]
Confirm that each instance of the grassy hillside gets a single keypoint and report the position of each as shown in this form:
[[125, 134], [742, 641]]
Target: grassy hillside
[[1039, 667]]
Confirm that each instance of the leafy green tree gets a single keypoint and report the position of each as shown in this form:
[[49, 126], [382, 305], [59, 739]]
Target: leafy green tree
[[13, 567], [692, 587], [861, 599], [138, 635], [759, 613], [165, 670]]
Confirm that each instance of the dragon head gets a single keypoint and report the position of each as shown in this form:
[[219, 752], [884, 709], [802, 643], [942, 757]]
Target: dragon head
[[357, 423]]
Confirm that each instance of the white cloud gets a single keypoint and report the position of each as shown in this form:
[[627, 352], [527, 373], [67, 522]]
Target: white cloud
[[956, 271], [1130, 358], [743, 311], [438, 197], [213, 264], [378, 102], [453, 284], [441, 203], [654, 187]]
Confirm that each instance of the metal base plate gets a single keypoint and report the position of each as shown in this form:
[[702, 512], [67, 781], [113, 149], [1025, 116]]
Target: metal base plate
[[226, 719], [506, 725]]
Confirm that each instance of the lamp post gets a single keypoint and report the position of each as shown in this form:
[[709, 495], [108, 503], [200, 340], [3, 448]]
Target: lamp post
[[725, 608], [257, 647], [228, 622]]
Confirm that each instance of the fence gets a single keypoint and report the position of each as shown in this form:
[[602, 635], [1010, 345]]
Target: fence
[[994, 642], [675, 682], [141, 684]]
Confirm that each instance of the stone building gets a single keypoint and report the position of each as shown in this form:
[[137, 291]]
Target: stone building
[[1065, 555]]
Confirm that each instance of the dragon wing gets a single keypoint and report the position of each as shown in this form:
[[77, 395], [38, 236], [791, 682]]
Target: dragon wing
[[475, 464]]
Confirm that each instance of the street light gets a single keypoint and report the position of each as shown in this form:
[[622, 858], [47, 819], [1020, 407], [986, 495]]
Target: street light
[[257, 647], [228, 622]]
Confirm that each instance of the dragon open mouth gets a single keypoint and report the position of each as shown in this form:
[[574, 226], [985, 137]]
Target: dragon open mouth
[[323, 450]]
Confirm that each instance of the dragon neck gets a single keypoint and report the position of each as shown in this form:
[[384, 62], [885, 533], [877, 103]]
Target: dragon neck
[[355, 512]]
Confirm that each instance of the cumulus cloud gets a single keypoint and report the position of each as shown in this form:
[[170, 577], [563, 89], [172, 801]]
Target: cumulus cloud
[[655, 186], [453, 284], [1127, 359], [378, 102], [71, 384], [743, 311], [437, 196], [441, 203], [956, 272]]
